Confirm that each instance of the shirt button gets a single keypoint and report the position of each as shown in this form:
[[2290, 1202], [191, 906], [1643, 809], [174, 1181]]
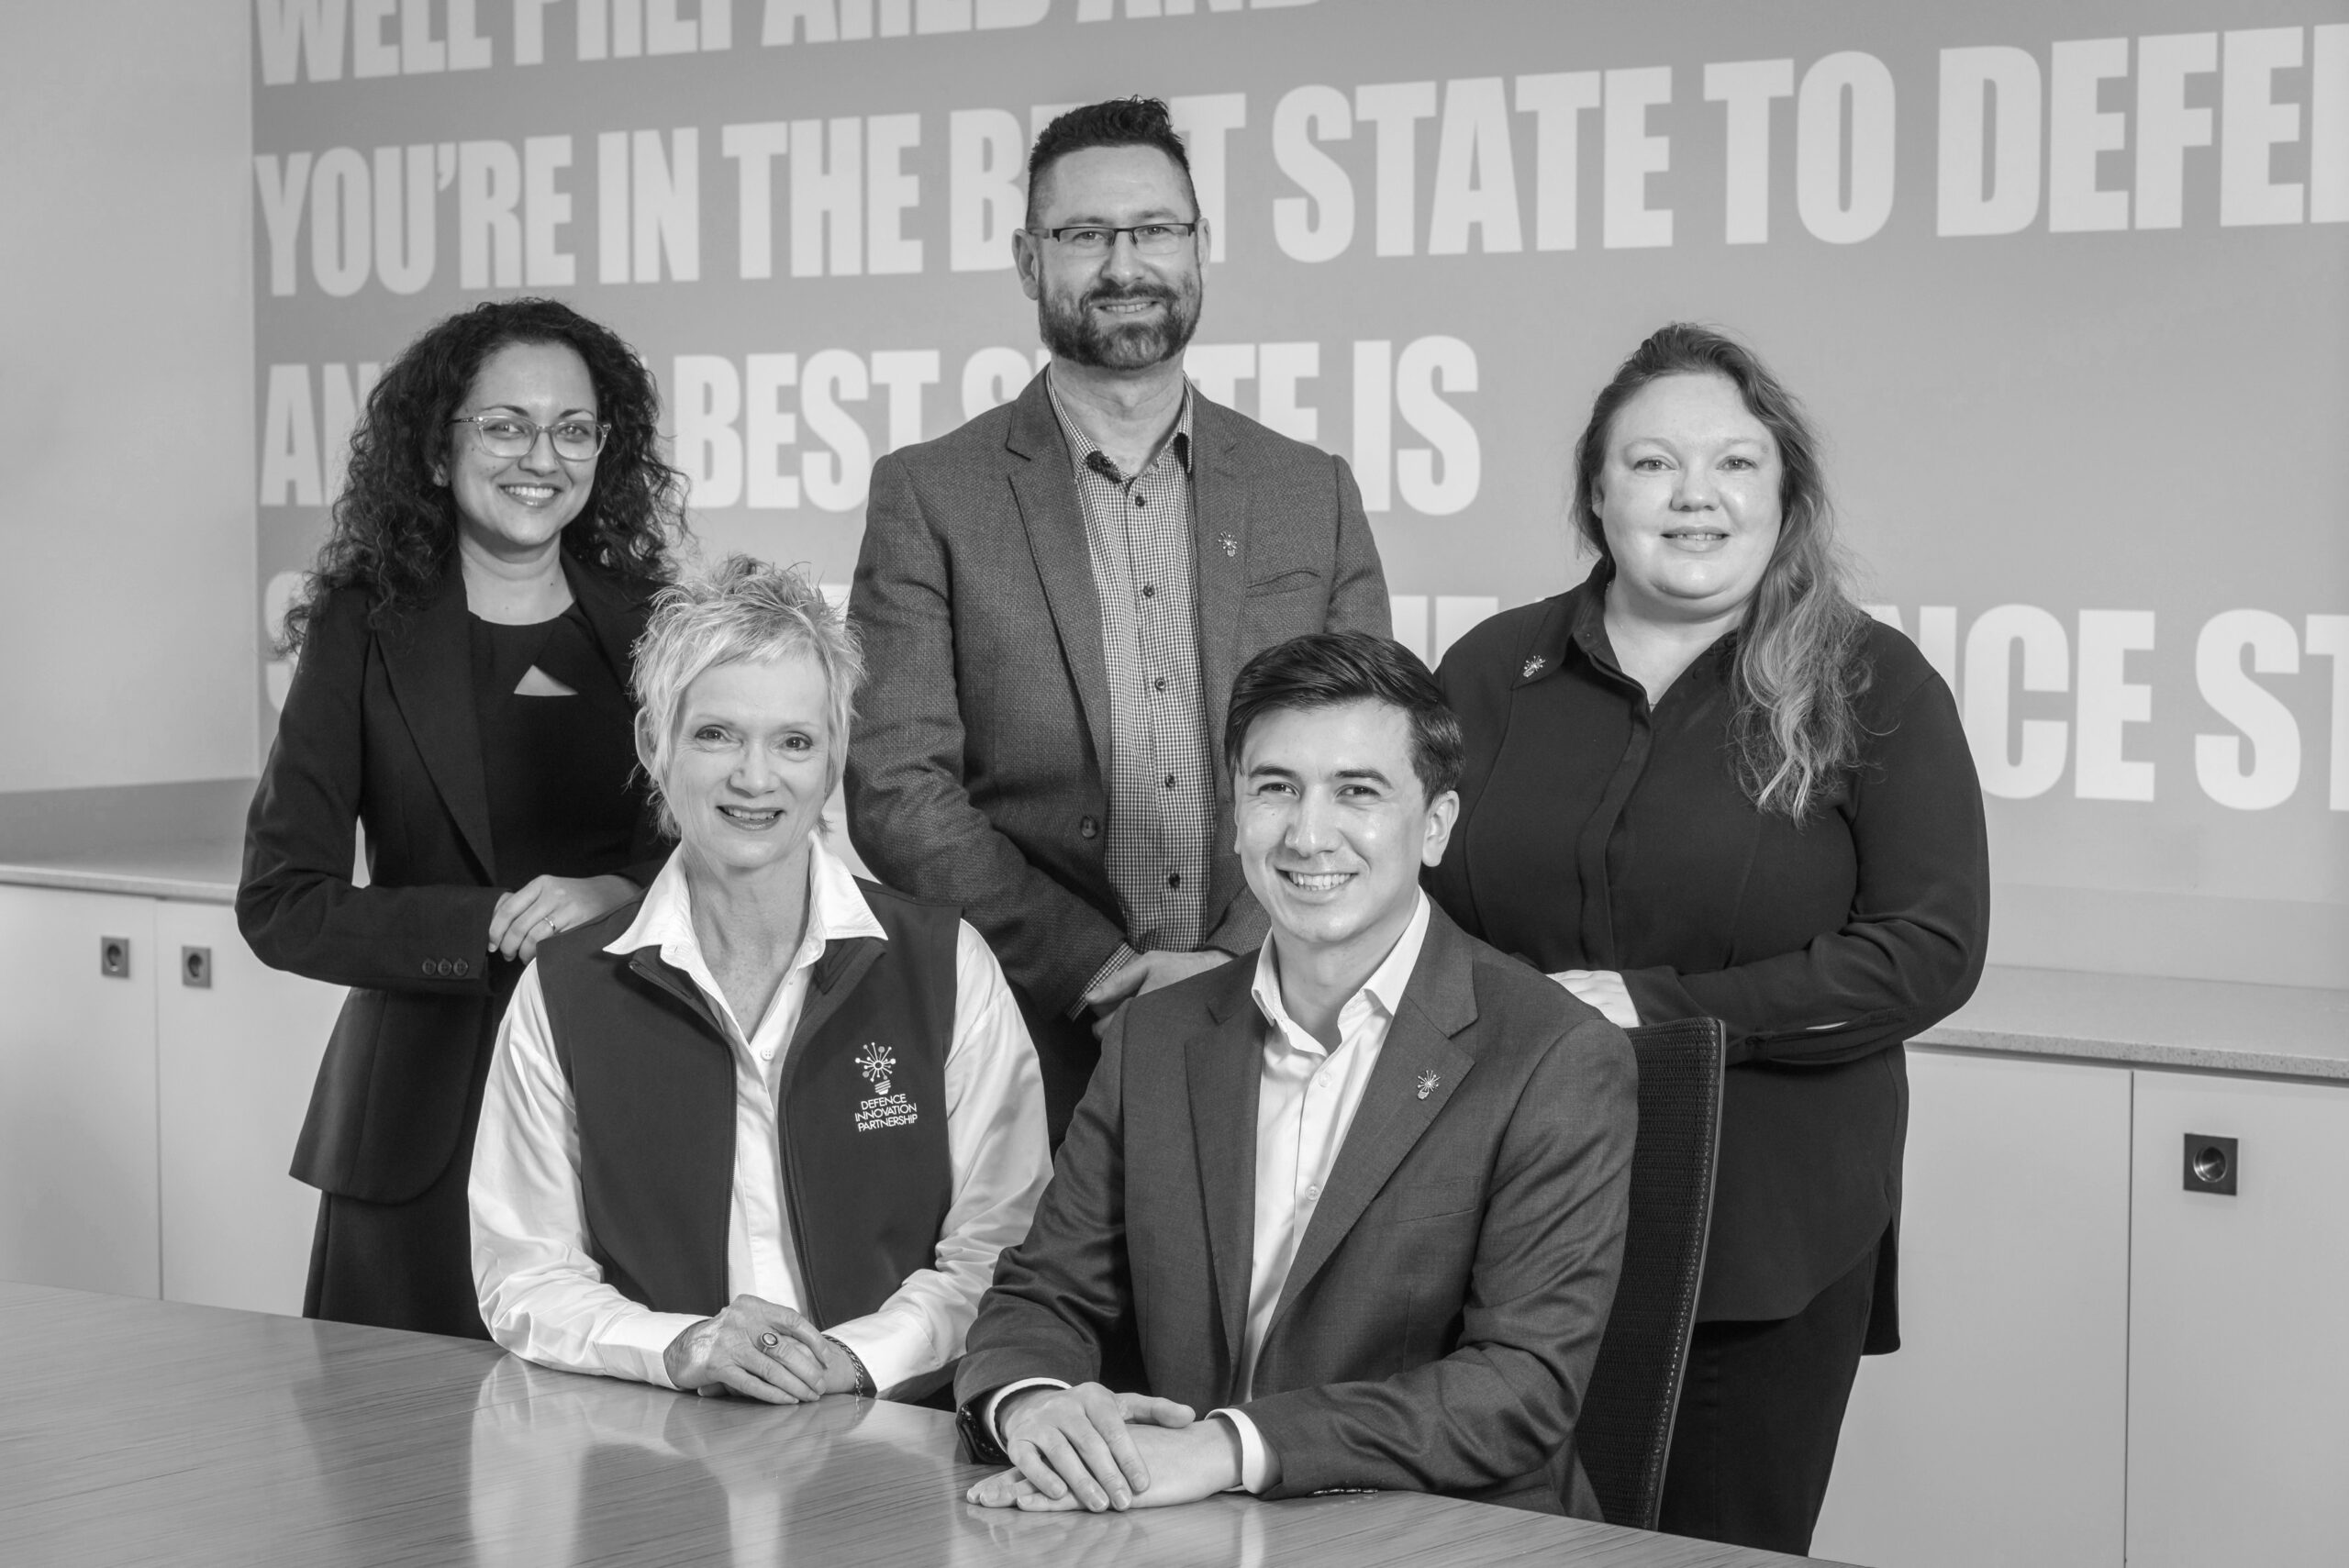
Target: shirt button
[[1170, 781], [1314, 1191], [1149, 591], [1140, 501], [1174, 879], [1158, 684], [1086, 827]]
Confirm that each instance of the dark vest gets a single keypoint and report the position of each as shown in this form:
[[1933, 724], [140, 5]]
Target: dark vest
[[866, 1179]]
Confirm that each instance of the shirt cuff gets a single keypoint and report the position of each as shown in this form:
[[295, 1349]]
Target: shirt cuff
[[894, 1346], [1255, 1458], [996, 1400], [1111, 965], [640, 1340]]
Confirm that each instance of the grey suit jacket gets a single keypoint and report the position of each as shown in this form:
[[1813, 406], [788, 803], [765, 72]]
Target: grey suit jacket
[[977, 771], [1440, 1320]]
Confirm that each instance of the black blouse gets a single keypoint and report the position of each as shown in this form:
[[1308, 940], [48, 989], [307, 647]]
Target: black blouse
[[1600, 831], [557, 768]]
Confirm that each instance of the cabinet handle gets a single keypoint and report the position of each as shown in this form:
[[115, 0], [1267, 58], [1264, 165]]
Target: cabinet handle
[[2211, 1163], [196, 967], [114, 957]]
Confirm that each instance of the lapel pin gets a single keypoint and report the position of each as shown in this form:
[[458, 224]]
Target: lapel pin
[[1230, 546], [1532, 667], [1428, 1082]]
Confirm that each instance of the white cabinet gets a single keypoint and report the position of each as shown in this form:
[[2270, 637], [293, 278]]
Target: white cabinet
[[1995, 1435], [77, 1093], [2239, 1399], [145, 1124], [235, 1061]]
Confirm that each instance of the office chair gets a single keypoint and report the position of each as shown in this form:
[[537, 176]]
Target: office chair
[[1625, 1431]]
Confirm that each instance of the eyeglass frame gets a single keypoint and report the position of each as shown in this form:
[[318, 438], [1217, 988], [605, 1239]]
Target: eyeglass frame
[[1186, 230], [601, 427]]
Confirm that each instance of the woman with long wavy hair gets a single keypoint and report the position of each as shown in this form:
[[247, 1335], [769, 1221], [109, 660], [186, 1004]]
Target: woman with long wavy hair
[[461, 698], [1705, 783]]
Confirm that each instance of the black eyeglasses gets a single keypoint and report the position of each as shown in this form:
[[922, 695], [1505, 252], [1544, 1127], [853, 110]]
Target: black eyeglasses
[[511, 435], [1097, 240]]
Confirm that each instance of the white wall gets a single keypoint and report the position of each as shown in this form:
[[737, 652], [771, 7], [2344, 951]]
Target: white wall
[[128, 623]]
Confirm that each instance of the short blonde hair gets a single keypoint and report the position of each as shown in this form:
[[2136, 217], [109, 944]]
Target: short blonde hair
[[742, 611]]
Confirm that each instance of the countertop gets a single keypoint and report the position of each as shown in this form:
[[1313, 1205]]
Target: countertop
[[185, 840], [166, 840], [2143, 1020]]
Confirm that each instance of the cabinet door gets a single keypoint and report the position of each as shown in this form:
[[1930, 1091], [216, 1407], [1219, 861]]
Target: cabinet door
[[1994, 1436], [2239, 1366], [77, 1093], [235, 1063]]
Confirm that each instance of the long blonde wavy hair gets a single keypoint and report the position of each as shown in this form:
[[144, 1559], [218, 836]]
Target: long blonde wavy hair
[[1794, 731]]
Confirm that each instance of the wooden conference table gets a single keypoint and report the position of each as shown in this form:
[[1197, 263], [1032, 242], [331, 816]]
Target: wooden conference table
[[147, 1431]]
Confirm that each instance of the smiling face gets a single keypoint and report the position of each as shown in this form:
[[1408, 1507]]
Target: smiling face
[[1333, 825], [514, 508], [1688, 498], [1120, 310], [750, 766]]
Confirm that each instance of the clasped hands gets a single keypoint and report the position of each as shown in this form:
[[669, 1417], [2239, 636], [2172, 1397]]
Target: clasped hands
[[1603, 989], [1091, 1449], [730, 1353]]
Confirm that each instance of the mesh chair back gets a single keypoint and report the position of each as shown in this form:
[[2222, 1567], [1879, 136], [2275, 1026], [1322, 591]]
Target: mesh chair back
[[1625, 1431]]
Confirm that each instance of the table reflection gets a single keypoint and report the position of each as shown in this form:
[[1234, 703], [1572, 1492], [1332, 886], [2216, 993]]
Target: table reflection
[[565, 1469]]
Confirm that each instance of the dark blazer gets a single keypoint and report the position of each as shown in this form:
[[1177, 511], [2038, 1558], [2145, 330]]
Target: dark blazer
[[379, 728], [1439, 1323], [1596, 831], [976, 774]]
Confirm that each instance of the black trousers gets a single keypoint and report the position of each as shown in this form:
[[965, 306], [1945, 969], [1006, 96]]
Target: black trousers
[[404, 1265], [1760, 1410], [1066, 1055]]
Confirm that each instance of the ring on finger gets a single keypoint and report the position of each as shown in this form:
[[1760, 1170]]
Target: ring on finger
[[770, 1339]]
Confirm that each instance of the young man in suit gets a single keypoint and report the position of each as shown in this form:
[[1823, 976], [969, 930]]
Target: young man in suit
[[1348, 1217], [1055, 597]]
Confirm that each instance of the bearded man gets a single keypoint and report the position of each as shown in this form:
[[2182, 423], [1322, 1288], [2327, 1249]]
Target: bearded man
[[1055, 597]]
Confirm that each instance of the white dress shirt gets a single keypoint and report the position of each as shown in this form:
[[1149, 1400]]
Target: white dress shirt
[[545, 1300], [1306, 1101]]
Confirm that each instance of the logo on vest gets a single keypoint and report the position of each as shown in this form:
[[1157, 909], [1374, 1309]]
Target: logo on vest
[[882, 1110]]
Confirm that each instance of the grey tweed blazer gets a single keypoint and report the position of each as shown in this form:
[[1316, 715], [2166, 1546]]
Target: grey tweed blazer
[[976, 772]]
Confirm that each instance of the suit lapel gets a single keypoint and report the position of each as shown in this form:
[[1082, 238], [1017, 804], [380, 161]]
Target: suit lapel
[[1438, 1004], [1219, 552], [1054, 518], [615, 615], [1225, 1067], [428, 654]]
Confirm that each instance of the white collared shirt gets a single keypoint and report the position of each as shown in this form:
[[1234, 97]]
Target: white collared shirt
[[1306, 1101], [545, 1300]]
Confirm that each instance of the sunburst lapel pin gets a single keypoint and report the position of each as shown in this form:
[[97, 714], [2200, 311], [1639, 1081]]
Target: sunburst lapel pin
[[1230, 546], [1533, 667], [1428, 1082]]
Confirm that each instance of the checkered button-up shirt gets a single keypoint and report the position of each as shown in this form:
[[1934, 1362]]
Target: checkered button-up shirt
[[1162, 785]]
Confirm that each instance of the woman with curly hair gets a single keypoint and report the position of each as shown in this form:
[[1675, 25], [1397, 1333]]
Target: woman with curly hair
[[462, 695], [1705, 783]]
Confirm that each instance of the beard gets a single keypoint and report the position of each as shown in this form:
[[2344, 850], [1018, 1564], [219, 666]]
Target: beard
[[1073, 332]]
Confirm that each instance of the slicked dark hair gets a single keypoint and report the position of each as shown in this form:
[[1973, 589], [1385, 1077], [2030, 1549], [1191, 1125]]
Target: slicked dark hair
[[1119, 122], [393, 530], [1330, 669]]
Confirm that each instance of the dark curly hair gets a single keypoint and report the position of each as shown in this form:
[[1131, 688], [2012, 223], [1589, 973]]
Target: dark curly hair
[[393, 530], [1117, 122]]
